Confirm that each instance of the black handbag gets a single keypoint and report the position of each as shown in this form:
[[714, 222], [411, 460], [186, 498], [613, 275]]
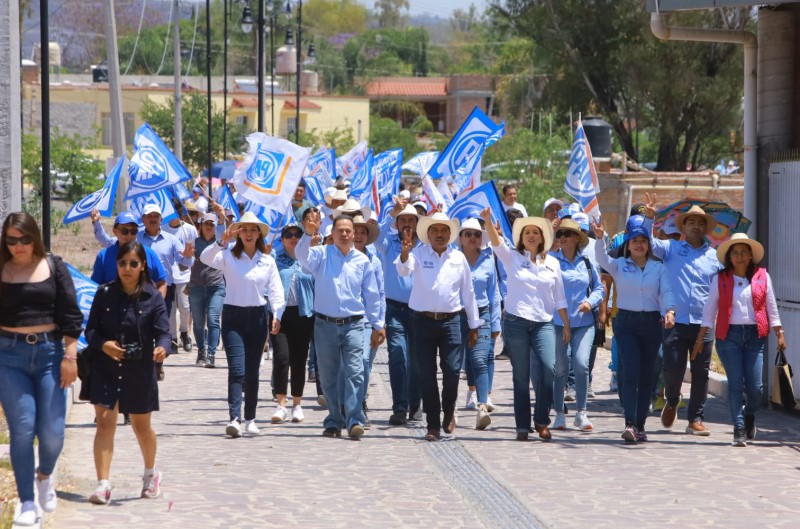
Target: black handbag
[[85, 358], [782, 390]]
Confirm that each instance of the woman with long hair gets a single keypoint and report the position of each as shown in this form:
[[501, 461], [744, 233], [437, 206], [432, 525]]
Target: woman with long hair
[[38, 307], [128, 332], [743, 302], [206, 294]]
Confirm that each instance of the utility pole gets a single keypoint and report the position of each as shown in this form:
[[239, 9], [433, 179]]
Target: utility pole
[[176, 60], [115, 97]]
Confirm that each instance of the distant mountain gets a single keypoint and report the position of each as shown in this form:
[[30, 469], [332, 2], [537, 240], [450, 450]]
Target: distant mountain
[[438, 27]]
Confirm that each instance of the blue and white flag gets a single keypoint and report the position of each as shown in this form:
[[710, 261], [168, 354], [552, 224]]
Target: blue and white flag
[[85, 289], [275, 219], [466, 143], [153, 166], [387, 169], [581, 182], [322, 166], [162, 198], [181, 193], [271, 171], [362, 178], [433, 195], [421, 163], [227, 201], [102, 199], [349, 162], [471, 205], [468, 176]]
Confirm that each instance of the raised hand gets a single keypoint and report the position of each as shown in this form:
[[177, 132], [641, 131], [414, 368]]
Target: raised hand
[[486, 215], [95, 216], [228, 235], [651, 205], [399, 205], [597, 228], [311, 224], [188, 250]]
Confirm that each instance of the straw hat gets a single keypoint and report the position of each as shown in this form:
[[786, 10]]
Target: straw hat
[[473, 224], [408, 210], [741, 238], [250, 218], [696, 211], [190, 205], [540, 222], [352, 207], [372, 230], [436, 218], [571, 225], [339, 194]]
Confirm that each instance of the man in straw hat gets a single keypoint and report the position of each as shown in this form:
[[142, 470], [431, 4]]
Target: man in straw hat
[[406, 393], [345, 292], [441, 279], [691, 264]]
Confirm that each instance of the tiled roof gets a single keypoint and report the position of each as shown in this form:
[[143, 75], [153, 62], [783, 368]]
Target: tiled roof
[[304, 105], [407, 87], [246, 102]]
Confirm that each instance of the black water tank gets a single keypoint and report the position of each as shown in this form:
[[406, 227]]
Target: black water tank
[[598, 133]]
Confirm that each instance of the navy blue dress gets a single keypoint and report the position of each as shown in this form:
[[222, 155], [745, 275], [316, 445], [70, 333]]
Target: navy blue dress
[[116, 316]]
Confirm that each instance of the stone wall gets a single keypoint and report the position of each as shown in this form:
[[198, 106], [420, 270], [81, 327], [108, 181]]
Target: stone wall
[[69, 118], [10, 136]]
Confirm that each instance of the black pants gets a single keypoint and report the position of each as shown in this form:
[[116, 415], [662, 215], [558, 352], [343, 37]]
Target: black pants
[[678, 344], [290, 351]]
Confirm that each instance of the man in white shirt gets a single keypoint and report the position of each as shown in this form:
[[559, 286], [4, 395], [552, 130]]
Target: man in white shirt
[[510, 199], [441, 279], [199, 199]]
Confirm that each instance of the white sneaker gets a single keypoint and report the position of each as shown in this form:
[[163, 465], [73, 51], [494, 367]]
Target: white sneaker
[[482, 419], [489, 404], [151, 485], [27, 515], [297, 414], [612, 385], [560, 423], [102, 494], [582, 421], [472, 401], [47, 493], [251, 428], [280, 415], [234, 429]]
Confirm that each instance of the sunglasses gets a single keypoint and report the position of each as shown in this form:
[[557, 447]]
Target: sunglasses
[[472, 234], [566, 234], [292, 235], [128, 231], [13, 241], [133, 264]]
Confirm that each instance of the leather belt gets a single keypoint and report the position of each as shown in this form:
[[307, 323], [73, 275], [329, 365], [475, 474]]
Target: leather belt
[[396, 303], [439, 316], [339, 321], [32, 338]]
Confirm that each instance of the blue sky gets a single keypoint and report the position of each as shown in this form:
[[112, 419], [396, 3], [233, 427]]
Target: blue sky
[[442, 8]]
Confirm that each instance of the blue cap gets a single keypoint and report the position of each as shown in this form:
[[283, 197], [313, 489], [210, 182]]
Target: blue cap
[[635, 227], [126, 218]]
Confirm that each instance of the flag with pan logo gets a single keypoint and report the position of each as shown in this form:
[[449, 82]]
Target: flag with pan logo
[[153, 166], [162, 198], [466, 143], [85, 289], [102, 199], [581, 182], [484, 196]]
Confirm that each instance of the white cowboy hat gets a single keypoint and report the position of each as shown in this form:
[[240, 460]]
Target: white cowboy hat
[[571, 225], [696, 211], [352, 207], [550, 201], [741, 238], [250, 218], [338, 194], [473, 224], [408, 210], [540, 222], [437, 218], [372, 230]]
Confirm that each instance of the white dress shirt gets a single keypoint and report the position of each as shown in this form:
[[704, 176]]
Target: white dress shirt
[[742, 310], [247, 280], [535, 290], [440, 282], [517, 206], [186, 233]]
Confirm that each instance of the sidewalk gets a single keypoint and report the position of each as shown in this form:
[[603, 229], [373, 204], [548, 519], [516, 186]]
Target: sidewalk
[[292, 477]]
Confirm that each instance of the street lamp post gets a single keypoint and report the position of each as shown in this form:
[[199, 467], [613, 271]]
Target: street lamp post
[[299, 60]]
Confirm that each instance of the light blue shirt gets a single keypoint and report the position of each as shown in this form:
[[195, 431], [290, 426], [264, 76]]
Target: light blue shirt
[[388, 246], [638, 290], [168, 249], [377, 267], [576, 288], [691, 271], [486, 285], [344, 284], [289, 267]]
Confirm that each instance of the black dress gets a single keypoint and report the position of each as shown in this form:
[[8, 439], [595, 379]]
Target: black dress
[[117, 317]]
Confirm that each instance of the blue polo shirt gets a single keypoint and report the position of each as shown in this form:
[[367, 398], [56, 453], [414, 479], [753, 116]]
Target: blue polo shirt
[[105, 265]]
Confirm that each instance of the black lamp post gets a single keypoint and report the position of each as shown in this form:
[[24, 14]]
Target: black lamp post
[[311, 57], [208, 109]]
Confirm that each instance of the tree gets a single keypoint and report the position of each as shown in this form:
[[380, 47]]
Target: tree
[[386, 133], [324, 18], [195, 139], [391, 13]]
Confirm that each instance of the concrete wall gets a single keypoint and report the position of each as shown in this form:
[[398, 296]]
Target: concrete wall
[[10, 137]]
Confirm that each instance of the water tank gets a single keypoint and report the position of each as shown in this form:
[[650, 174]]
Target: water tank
[[286, 60], [309, 82], [598, 134]]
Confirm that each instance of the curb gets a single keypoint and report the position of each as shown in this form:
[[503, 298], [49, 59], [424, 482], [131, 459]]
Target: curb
[[717, 384]]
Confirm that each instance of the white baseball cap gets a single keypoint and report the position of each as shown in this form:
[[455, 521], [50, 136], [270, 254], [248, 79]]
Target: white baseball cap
[[669, 226], [550, 201], [151, 208]]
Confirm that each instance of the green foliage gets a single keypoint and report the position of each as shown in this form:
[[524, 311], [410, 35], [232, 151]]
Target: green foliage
[[391, 13], [422, 125], [386, 133], [387, 52], [341, 139], [194, 111], [324, 18], [402, 111]]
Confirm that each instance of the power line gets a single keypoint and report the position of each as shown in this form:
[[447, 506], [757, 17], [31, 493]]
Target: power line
[[136, 42], [194, 36], [166, 40]]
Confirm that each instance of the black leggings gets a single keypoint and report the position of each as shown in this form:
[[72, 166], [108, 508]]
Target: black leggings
[[290, 350]]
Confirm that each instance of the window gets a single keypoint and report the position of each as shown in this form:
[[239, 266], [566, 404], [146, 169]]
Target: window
[[241, 120], [291, 124], [129, 125]]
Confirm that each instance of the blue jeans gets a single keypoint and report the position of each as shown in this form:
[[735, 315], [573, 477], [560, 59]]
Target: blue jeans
[[638, 339], [369, 357], [479, 360], [205, 304], [742, 354], [531, 342], [244, 333], [341, 348], [581, 346], [35, 406], [445, 338], [406, 391]]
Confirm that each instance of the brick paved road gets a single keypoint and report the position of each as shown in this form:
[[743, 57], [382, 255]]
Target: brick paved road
[[291, 477]]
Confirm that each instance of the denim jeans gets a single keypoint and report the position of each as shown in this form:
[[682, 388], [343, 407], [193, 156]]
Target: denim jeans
[[742, 354], [35, 406], [678, 343], [638, 339], [531, 342], [405, 384], [479, 360], [341, 348], [205, 303], [580, 345], [369, 357], [244, 333], [445, 338]]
